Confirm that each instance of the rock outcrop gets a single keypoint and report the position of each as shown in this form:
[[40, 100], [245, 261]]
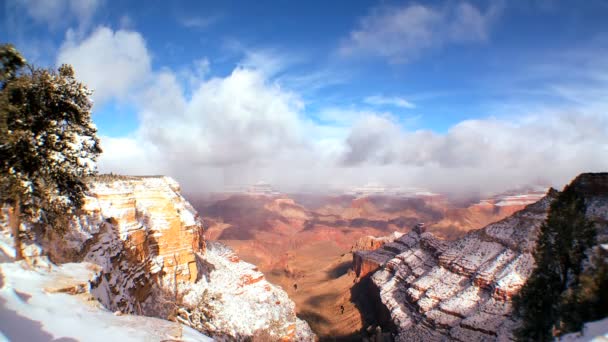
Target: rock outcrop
[[370, 243], [369, 252], [149, 243], [462, 290]]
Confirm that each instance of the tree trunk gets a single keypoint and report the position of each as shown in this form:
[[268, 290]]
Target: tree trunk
[[15, 225]]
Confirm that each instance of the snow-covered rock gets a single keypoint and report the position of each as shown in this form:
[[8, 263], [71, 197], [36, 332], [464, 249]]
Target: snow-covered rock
[[238, 302], [462, 290], [48, 304], [148, 244]]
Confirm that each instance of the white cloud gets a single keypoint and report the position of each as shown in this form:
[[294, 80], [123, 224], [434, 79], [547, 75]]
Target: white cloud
[[201, 67], [245, 127], [230, 130], [266, 61], [195, 73], [242, 128], [491, 154], [56, 13], [110, 62], [233, 120], [371, 140], [128, 155], [401, 34], [379, 100]]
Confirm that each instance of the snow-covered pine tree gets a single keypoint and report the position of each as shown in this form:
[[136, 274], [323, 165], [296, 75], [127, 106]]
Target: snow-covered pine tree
[[550, 302], [48, 143]]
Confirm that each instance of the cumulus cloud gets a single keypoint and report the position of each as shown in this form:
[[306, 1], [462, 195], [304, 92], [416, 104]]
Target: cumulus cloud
[[110, 62], [233, 129], [401, 34], [380, 100], [371, 140], [233, 120]]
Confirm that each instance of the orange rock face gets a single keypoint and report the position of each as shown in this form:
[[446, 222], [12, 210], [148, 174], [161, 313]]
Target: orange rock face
[[364, 266], [142, 233], [153, 220]]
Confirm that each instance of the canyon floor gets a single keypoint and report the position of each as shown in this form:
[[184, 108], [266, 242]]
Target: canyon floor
[[304, 243]]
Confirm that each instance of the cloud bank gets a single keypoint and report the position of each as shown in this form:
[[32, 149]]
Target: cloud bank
[[212, 133]]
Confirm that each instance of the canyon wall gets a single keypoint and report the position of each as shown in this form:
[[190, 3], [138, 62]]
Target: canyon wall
[[369, 252], [154, 260], [461, 290]]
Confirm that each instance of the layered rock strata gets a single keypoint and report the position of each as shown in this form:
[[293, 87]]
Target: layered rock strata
[[149, 243], [370, 243], [369, 253], [462, 290]]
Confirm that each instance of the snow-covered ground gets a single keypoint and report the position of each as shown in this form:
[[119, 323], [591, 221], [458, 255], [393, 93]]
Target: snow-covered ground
[[34, 308], [593, 332]]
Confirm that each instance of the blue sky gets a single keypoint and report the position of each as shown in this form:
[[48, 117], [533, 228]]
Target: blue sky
[[449, 95]]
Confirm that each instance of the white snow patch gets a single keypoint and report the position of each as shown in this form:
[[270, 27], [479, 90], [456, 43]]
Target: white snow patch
[[593, 331], [28, 312]]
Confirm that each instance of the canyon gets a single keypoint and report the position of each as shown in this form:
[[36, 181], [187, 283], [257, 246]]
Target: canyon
[[293, 267], [305, 243]]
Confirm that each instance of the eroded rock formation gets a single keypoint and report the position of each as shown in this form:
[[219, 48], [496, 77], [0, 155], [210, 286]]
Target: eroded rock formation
[[368, 254], [149, 243], [307, 239], [462, 290], [459, 290]]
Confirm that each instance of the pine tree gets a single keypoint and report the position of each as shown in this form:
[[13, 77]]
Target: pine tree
[[550, 301], [48, 144]]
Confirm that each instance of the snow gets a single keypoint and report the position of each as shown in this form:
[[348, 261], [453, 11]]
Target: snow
[[31, 309], [239, 308], [238, 301], [593, 331]]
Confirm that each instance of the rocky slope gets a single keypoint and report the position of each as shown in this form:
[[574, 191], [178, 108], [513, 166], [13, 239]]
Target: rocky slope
[[149, 244], [43, 304], [436, 290]]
